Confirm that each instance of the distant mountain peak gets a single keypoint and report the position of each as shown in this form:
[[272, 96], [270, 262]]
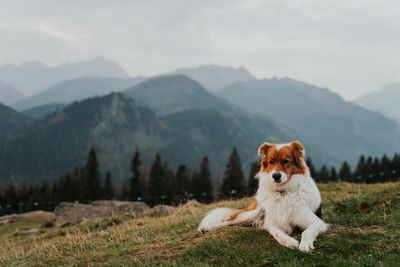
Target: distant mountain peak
[[215, 77], [32, 77], [384, 100], [8, 94]]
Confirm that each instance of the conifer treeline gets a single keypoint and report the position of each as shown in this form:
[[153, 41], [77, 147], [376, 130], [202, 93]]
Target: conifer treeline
[[161, 184], [368, 170], [158, 185]]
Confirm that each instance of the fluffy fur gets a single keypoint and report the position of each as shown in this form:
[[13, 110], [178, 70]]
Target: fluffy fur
[[287, 199]]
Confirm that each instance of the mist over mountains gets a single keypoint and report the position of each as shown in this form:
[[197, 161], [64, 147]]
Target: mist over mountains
[[385, 100], [115, 125], [215, 77], [32, 77], [8, 94], [319, 116], [11, 120], [184, 115], [76, 89]]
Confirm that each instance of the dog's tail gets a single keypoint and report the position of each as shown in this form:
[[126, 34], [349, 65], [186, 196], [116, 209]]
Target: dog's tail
[[224, 216]]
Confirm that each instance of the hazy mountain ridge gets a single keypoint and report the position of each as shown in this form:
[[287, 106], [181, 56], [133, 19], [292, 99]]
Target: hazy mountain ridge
[[214, 77], [33, 77], [77, 89], [319, 116], [115, 125], [8, 94], [40, 112], [11, 120], [385, 100], [171, 94]]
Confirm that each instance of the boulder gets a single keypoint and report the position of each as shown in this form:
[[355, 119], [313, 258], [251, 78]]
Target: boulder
[[192, 202], [66, 212], [38, 214], [161, 210]]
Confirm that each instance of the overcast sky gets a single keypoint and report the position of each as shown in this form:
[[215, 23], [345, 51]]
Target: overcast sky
[[351, 47]]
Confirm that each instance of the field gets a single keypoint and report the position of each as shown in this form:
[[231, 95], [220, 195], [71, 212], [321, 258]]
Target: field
[[365, 231]]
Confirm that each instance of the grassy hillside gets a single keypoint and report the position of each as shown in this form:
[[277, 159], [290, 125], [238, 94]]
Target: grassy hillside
[[365, 231]]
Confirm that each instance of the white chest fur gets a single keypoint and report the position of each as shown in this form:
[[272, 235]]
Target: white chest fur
[[281, 202]]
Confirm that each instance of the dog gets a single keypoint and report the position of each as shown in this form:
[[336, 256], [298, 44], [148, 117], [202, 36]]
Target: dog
[[287, 199]]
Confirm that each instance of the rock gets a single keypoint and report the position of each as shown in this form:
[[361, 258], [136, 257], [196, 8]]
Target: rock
[[38, 214], [161, 210], [192, 202], [9, 218], [29, 231], [66, 213]]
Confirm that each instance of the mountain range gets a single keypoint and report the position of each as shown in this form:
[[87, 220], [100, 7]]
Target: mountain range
[[214, 77], [183, 118], [116, 125], [343, 129], [171, 94], [11, 120], [385, 100], [76, 89], [33, 77], [8, 94]]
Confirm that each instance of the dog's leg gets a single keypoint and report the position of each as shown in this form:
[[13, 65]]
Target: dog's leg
[[306, 219], [282, 237], [215, 219], [224, 216]]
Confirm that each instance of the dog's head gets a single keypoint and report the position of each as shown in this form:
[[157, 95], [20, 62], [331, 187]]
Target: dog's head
[[281, 161]]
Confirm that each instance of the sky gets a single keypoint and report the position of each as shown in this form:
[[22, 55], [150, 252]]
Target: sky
[[350, 47]]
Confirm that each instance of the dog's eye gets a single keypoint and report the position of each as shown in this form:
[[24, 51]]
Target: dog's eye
[[285, 161], [271, 162]]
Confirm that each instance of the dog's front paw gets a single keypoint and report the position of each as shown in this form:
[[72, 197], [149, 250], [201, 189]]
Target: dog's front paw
[[290, 243], [306, 245], [202, 229]]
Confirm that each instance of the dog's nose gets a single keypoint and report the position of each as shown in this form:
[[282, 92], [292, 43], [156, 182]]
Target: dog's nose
[[277, 177]]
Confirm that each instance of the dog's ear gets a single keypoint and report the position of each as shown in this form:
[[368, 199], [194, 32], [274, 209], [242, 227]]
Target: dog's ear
[[298, 153], [263, 149]]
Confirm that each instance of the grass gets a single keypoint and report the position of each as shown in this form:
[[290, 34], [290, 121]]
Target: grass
[[365, 231]]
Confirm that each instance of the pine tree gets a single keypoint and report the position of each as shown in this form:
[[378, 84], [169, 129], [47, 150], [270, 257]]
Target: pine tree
[[311, 167], [169, 190], [333, 175], [183, 181], [44, 195], [11, 198], [252, 181], [324, 174], [369, 170], [395, 167], [91, 186], [361, 171], [157, 180], [385, 169], [108, 190], [376, 170], [68, 188], [345, 172], [233, 184], [202, 186], [136, 184]]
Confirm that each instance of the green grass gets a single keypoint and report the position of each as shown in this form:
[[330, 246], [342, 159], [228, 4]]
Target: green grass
[[365, 231]]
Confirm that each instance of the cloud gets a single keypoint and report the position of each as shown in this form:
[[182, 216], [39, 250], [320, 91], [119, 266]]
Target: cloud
[[348, 46]]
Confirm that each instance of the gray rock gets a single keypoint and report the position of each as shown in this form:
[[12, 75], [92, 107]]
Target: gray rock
[[29, 231], [192, 202], [66, 213], [9, 218], [161, 210], [39, 214]]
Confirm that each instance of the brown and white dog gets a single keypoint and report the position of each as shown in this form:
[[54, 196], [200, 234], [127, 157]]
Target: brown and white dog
[[287, 199]]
